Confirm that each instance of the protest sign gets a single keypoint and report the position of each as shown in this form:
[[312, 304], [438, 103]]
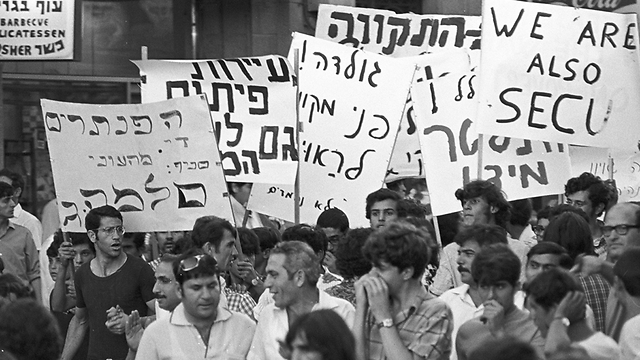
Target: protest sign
[[157, 163], [351, 103], [565, 75], [252, 103], [406, 159], [38, 30], [521, 168], [399, 35], [626, 168], [617, 6]]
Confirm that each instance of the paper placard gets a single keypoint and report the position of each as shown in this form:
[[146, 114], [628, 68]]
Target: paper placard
[[252, 103], [157, 163]]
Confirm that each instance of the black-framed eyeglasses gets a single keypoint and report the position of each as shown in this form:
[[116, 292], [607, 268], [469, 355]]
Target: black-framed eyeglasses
[[621, 229], [538, 229], [110, 230]]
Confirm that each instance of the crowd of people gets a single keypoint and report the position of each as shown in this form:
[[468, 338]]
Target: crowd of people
[[503, 282]]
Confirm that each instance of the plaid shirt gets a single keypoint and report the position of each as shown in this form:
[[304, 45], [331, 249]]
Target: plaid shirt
[[596, 290], [425, 329], [240, 302]]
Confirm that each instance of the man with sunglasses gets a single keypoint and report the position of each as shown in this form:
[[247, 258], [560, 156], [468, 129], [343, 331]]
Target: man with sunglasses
[[200, 327], [108, 287], [17, 248]]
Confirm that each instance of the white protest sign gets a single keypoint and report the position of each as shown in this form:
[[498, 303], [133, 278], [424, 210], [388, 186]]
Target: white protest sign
[[449, 140], [555, 73], [398, 35], [406, 160], [252, 103], [38, 30], [157, 163], [351, 103], [617, 6], [626, 168]]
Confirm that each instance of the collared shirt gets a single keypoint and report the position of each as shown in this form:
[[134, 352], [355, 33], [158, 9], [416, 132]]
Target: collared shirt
[[517, 324], [176, 338], [448, 277], [596, 290], [273, 325], [463, 309], [24, 218], [424, 328], [19, 254]]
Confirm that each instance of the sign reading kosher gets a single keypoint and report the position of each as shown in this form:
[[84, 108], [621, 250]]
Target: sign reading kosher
[[559, 74], [38, 30], [152, 162]]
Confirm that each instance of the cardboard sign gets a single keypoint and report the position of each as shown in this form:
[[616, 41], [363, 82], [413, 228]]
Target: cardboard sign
[[157, 163], [252, 103], [566, 75], [385, 32], [626, 168], [521, 168], [351, 103]]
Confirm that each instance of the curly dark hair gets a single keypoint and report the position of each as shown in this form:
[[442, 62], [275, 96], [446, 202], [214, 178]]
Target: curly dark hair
[[483, 234], [599, 192], [571, 231], [307, 234], [349, 258], [495, 263], [29, 331], [400, 244], [377, 196], [491, 193], [548, 288]]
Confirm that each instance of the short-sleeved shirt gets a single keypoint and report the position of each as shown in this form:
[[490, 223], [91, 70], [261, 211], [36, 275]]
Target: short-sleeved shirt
[[630, 339], [517, 324], [600, 347], [424, 328], [19, 254], [239, 301], [131, 287], [175, 338]]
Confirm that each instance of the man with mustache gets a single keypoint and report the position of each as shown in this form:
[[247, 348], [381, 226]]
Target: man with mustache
[[464, 300]]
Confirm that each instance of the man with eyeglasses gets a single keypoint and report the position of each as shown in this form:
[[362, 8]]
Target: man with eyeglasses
[[200, 327], [17, 248], [622, 232], [108, 287]]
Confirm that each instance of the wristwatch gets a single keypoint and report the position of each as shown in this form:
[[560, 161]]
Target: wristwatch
[[255, 282], [386, 323]]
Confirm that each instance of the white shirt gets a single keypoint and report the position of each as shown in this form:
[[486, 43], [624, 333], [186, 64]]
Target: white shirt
[[528, 237], [462, 308], [600, 347], [174, 337], [630, 339], [24, 218], [46, 281], [273, 325]]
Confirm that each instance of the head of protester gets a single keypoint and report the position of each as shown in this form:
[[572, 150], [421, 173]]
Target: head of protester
[[268, 238], [627, 283], [571, 231], [320, 335], [29, 331], [483, 203], [507, 348], [133, 243], [381, 207], [12, 289], [105, 229], [334, 223], [542, 221], [166, 287], [216, 237], [558, 308], [198, 278], [588, 193], [472, 239], [544, 256], [621, 229], [167, 240]]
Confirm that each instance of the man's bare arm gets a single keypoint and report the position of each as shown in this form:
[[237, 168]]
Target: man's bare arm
[[77, 330]]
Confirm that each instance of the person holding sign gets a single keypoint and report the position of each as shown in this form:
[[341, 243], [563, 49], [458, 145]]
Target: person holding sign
[[396, 317], [108, 287]]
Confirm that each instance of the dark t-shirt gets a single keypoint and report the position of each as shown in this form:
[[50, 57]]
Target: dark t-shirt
[[130, 287]]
